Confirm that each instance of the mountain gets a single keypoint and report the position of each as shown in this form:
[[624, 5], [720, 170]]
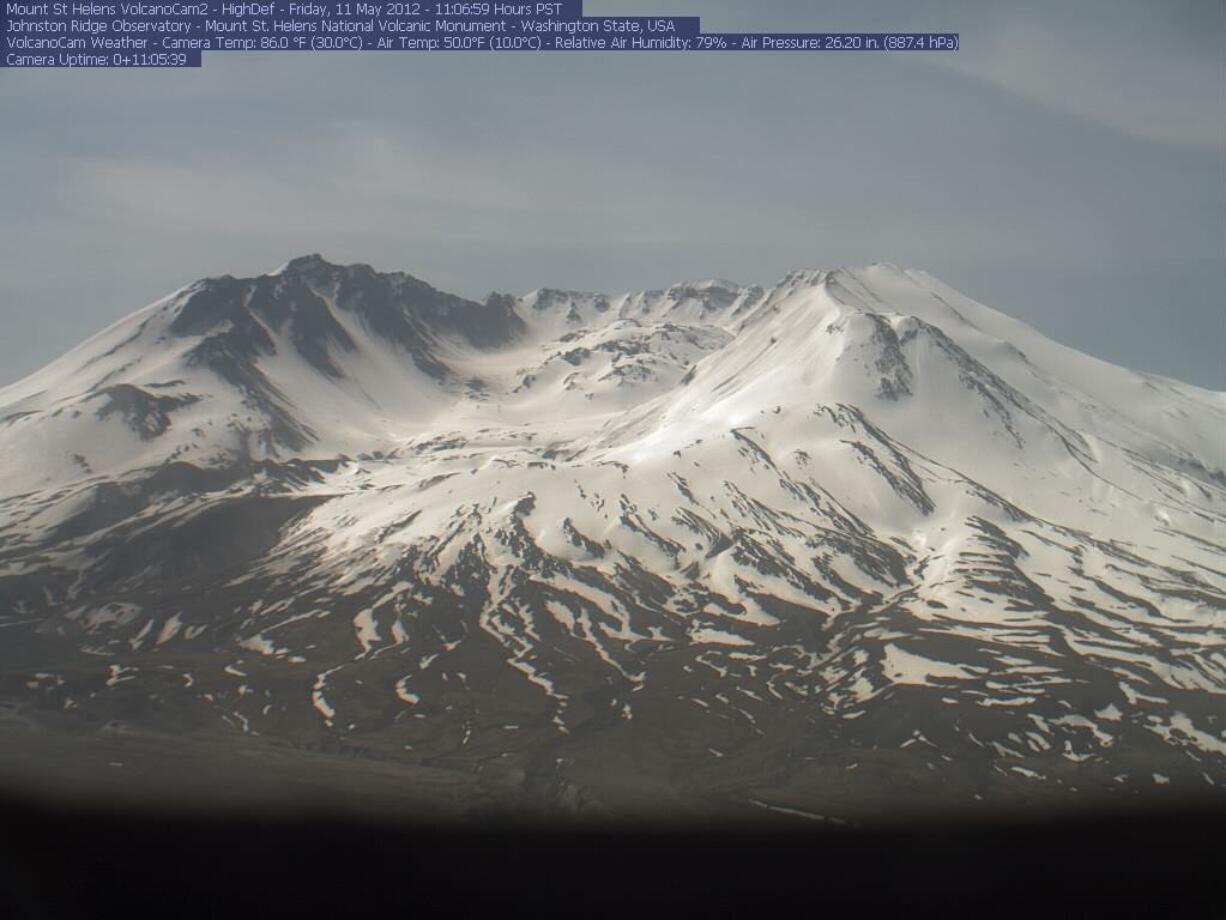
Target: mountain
[[852, 542]]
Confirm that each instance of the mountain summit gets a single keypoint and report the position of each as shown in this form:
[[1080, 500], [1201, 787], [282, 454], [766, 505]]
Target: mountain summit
[[849, 539]]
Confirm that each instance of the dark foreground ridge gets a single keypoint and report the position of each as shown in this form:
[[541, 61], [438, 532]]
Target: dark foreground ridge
[[69, 862]]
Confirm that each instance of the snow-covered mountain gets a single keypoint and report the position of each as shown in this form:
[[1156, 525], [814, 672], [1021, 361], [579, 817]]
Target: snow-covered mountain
[[850, 539]]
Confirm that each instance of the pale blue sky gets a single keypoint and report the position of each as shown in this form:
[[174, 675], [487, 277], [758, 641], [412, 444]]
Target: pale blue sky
[[1068, 166]]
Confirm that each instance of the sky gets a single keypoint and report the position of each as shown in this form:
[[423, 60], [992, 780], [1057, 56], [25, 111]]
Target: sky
[[1067, 166]]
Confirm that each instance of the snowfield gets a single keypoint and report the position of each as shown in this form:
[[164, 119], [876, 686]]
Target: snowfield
[[726, 537]]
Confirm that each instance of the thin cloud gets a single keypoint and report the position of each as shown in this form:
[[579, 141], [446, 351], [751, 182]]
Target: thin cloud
[[1117, 71]]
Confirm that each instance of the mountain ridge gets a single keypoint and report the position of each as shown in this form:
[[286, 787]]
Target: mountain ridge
[[716, 540]]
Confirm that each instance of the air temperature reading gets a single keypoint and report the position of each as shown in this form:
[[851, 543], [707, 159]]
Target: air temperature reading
[[176, 34]]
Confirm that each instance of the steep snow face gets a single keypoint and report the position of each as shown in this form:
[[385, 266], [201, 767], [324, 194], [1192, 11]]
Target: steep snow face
[[315, 360], [733, 509]]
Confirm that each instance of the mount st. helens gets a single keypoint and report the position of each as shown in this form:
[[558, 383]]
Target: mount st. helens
[[848, 541]]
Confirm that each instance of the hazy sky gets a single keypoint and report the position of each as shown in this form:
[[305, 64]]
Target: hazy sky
[[1068, 166]]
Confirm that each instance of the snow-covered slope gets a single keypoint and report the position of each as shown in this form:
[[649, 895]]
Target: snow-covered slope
[[783, 542]]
